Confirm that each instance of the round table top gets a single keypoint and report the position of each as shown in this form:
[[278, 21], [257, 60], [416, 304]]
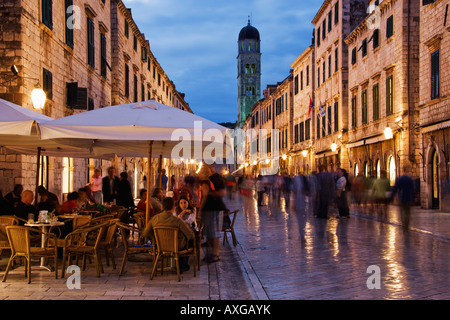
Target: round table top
[[44, 224], [68, 216]]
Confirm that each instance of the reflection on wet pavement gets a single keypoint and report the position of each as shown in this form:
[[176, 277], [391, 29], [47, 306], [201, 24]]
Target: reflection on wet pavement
[[297, 256]]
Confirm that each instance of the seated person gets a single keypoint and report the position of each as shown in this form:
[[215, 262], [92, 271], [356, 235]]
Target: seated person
[[167, 219], [50, 199], [142, 205], [186, 212], [24, 207], [13, 197], [156, 199], [71, 203], [83, 199], [6, 208], [46, 203]]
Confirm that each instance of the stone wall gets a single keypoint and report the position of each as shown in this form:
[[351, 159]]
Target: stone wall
[[27, 42], [434, 113]]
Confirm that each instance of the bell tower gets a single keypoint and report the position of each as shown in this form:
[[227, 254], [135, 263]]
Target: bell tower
[[249, 71]]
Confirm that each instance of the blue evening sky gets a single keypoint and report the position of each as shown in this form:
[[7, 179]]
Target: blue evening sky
[[195, 41]]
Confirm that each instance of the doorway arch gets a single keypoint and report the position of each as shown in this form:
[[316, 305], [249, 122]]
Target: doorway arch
[[391, 168], [435, 199]]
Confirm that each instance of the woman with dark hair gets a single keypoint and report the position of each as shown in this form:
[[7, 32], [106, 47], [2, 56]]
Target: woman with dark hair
[[186, 212]]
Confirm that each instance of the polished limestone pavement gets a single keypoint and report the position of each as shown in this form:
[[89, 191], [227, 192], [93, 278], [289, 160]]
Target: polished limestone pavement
[[296, 256], [281, 255]]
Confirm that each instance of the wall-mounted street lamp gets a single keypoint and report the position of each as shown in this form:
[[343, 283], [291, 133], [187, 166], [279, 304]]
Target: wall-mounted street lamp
[[304, 153], [388, 133], [38, 95], [284, 157], [334, 146]]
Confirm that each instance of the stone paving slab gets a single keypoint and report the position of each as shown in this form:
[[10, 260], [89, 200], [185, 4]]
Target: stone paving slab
[[333, 260], [213, 282], [271, 262]]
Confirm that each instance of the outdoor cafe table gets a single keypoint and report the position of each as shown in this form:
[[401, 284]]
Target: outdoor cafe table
[[44, 228], [68, 216], [91, 213]]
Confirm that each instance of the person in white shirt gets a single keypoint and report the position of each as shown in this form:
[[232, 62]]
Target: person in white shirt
[[96, 186]]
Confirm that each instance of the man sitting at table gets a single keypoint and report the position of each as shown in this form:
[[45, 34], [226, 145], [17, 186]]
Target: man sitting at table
[[13, 197], [24, 207], [167, 219]]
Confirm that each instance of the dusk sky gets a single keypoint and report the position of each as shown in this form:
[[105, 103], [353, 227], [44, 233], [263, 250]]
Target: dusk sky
[[195, 41]]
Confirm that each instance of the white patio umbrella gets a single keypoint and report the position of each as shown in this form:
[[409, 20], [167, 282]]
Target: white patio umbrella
[[16, 120], [140, 129], [20, 134]]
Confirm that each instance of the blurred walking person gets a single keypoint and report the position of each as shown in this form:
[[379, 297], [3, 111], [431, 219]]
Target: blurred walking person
[[213, 188], [381, 194], [287, 188], [326, 192], [341, 194], [300, 188], [260, 190], [404, 191], [313, 192]]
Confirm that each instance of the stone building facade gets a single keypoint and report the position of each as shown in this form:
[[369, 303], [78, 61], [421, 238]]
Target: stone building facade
[[375, 65], [332, 23], [70, 48], [303, 112], [282, 108], [383, 91], [434, 103], [46, 50]]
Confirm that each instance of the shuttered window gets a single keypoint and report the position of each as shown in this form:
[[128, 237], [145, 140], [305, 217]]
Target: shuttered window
[[47, 13], [376, 102], [127, 81], [364, 106], [91, 43], [103, 64], [47, 85], [336, 116], [69, 26], [354, 112], [389, 27], [389, 96], [435, 75]]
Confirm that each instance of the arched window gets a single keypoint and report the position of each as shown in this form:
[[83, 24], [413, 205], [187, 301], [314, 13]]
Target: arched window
[[391, 166], [253, 70], [366, 170], [249, 46], [355, 170], [67, 176], [247, 69], [378, 169]]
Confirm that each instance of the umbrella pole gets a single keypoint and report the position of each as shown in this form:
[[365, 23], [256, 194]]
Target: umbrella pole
[[149, 175], [38, 165], [160, 172]]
